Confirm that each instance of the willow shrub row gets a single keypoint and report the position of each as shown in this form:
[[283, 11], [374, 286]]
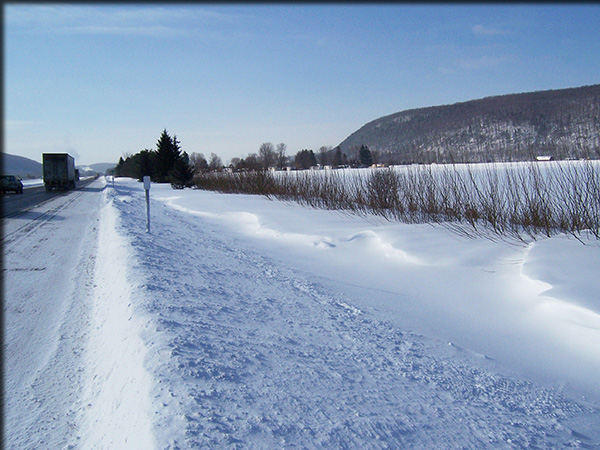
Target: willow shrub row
[[532, 198]]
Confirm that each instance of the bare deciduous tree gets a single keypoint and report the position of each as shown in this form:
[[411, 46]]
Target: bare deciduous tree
[[267, 155], [324, 155], [198, 161], [281, 157], [215, 162]]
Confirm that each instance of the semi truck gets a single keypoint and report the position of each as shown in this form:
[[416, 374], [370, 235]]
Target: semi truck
[[59, 171]]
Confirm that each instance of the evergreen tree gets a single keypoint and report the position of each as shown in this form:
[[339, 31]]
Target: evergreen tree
[[145, 164], [128, 167], [166, 154], [182, 172], [119, 167], [337, 157], [305, 159], [312, 158], [176, 149], [364, 156]]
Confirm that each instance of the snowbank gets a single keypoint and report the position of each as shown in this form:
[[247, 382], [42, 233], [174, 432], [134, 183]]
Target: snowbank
[[118, 409], [33, 183], [275, 325], [531, 307]]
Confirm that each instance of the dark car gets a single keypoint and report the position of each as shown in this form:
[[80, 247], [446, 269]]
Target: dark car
[[10, 183], [182, 185]]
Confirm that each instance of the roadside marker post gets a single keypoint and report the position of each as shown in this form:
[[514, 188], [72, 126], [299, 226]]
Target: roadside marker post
[[147, 189]]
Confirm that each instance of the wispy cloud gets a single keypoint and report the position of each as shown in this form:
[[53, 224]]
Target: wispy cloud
[[481, 30], [113, 20], [483, 62], [149, 30], [18, 125]]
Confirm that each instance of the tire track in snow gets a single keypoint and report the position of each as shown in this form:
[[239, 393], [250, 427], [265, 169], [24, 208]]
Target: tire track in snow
[[48, 274], [36, 221]]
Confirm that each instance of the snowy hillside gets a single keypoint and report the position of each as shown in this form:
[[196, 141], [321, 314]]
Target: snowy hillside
[[20, 166], [562, 123], [240, 322]]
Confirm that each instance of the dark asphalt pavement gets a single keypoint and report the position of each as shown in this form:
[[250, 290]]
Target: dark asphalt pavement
[[13, 204]]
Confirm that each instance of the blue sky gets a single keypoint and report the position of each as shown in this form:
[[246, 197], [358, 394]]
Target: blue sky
[[103, 80]]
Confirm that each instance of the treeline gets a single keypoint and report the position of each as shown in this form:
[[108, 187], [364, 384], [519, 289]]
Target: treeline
[[270, 156], [166, 164], [169, 164]]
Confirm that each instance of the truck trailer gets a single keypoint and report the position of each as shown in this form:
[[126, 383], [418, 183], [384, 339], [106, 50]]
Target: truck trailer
[[59, 171]]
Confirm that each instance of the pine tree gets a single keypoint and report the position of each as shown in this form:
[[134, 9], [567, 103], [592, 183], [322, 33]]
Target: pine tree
[[364, 156], [313, 158], [305, 159], [145, 164], [175, 148], [345, 161], [119, 167], [166, 155], [182, 173], [337, 157]]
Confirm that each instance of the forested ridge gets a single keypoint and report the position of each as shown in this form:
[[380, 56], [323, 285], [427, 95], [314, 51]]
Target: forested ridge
[[559, 123]]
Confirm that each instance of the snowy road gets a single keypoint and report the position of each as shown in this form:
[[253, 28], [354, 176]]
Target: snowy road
[[49, 254], [244, 323], [34, 194]]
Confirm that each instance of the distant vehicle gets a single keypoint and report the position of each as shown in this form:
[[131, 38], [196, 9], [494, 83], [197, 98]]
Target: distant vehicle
[[182, 185], [59, 171], [11, 183]]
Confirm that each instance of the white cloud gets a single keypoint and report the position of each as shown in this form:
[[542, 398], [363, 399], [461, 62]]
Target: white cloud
[[10, 125], [480, 30], [137, 20], [482, 62], [474, 64], [152, 30]]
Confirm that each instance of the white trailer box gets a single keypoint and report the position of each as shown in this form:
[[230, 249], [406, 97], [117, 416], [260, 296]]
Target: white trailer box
[[59, 171]]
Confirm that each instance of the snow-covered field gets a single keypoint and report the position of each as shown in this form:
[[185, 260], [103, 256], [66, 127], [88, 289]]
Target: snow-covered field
[[241, 322], [34, 182]]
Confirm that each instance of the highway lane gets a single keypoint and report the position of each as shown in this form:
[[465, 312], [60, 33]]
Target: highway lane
[[13, 204], [49, 255]]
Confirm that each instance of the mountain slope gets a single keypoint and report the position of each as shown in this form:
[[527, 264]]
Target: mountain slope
[[28, 168], [100, 168], [561, 123], [20, 166]]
